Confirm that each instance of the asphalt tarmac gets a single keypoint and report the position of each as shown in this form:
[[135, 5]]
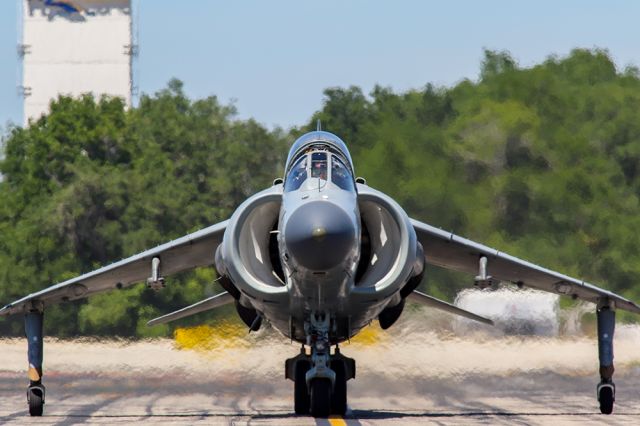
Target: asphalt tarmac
[[406, 378]]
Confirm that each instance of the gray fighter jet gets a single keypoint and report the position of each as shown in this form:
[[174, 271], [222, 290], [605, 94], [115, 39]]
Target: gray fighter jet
[[319, 255]]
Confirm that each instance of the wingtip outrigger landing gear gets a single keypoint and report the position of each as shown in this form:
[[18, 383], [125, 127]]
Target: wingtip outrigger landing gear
[[606, 389], [320, 378], [155, 281], [483, 279], [33, 329], [35, 399]]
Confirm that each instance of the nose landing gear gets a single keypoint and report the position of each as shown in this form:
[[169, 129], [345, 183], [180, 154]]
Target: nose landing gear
[[320, 378], [301, 396], [339, 394], [320, 397]]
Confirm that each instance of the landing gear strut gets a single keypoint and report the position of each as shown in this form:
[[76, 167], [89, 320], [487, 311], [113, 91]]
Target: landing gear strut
[[606, 389], [35, 392], [320, 378]]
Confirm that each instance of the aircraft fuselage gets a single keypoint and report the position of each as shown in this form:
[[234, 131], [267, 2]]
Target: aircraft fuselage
[[343, 249]]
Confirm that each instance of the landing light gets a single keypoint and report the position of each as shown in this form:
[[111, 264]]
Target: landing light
[[319, 233]]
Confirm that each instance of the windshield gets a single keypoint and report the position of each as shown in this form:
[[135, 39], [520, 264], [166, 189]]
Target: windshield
[[319, 165], [316, 165], [297, 175], [340, 174]]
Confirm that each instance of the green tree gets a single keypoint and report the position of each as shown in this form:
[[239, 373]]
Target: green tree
[[93, 182], [541, 162]]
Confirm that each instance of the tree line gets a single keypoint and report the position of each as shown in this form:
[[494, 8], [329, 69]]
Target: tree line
[[541, 162]]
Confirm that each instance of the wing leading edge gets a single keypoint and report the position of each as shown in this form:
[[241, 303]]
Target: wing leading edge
[[188, 252], [451, 251]]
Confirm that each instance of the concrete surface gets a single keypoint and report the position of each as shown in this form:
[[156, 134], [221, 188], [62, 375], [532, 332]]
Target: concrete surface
[[406, 377]]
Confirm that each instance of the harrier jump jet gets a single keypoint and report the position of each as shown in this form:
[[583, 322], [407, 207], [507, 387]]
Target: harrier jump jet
[[319, 255]]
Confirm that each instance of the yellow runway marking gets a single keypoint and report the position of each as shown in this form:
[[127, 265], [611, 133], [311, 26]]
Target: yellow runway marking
[[337, 421]]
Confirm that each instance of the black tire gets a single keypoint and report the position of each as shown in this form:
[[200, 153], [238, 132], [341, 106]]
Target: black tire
[[339, 395], [320, 398], [36, 402], [606, 400], [301, 398]]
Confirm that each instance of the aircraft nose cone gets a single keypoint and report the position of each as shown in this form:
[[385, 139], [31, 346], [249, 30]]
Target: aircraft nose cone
[[319, 235]]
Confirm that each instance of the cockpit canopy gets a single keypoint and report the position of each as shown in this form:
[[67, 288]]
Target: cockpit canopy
[[322, 166], [321, 138], [321, 156]]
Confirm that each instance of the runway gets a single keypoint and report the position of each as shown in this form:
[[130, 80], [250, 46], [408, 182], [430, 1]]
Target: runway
[[418, 377]]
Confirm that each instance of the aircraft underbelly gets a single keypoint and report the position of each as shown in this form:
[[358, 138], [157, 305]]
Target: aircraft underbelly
[[349, 310], [290, 323]]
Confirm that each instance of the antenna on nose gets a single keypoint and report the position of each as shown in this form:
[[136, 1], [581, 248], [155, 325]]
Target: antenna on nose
[[319, 126]]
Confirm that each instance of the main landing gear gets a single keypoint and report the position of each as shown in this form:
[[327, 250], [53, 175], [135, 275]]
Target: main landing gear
[[320, 378]]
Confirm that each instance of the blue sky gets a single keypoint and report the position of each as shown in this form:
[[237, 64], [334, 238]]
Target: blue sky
[[274, 58]]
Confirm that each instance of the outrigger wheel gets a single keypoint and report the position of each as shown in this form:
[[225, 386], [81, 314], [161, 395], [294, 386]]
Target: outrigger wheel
[[606, 397], [35, 398]]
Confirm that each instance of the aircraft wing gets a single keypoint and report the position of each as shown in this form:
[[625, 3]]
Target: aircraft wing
[[188, 252], [207, 304], [432, 302], [451, 251]]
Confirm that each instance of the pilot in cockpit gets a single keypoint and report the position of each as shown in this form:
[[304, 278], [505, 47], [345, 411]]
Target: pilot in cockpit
[[319, 165], [319, 171]]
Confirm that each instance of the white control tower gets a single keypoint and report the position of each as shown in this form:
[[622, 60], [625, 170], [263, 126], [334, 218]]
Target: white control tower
[[73, 47]]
